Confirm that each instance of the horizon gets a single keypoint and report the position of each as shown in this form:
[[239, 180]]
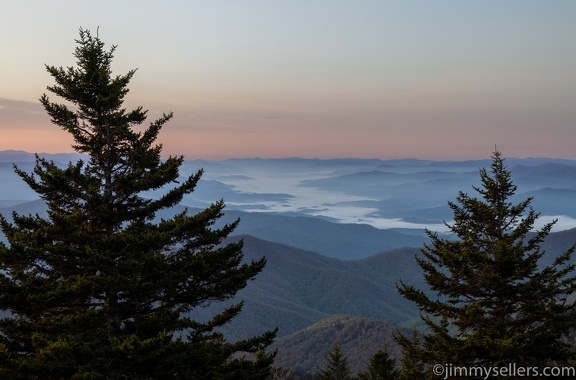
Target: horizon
[[487, 158], [382, 79]]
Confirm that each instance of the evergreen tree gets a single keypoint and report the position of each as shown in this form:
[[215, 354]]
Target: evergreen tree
[[411, 366], [496, 301], [99, 289], [382, 367], [337, 367]]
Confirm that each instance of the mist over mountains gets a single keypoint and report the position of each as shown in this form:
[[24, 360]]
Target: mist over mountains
[[342, 208], [338, 235], [403, 194]]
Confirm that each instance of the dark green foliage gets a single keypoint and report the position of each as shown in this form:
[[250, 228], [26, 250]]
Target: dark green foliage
[[411, 366], [97, 290], [336, 367], [497, 303], [382, 367]]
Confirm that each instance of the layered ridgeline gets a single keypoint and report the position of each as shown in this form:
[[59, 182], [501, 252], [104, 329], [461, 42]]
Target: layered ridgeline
[[404, 195], [318, 266], [301, 286], [376, 205], [306, 278]]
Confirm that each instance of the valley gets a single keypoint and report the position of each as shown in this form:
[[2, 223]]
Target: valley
[[338, 235]]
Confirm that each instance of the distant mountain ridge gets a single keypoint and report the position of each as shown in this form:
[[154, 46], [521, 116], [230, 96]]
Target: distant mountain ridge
[[394, 193], [14, 156], [343, 241], [327, 280]]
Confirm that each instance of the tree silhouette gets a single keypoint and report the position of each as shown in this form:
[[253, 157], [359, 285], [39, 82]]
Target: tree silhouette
[[493, 301], [337, 366], [381, 367], [101, 288]]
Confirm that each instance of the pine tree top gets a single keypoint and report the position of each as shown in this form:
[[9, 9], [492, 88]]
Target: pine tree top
[[101, 288], [491, 299]]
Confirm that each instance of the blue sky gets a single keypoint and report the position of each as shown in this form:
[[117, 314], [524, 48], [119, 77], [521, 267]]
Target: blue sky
[[428, 79]]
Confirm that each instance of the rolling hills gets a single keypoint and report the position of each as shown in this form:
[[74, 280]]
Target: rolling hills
[[298, 288], [386, 194], [324, 226]]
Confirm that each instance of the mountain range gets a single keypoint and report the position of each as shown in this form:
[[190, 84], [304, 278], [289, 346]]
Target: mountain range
[[337, 234]]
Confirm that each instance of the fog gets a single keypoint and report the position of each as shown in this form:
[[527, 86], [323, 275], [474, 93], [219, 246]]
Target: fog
[[381, 193]]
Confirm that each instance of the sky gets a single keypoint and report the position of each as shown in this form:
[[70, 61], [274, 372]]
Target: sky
[[312, 78]]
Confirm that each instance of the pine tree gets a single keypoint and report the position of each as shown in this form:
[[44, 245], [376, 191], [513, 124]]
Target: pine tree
[[337, 367], [382, 367], [99, 289], [496, 301], [411, 367]]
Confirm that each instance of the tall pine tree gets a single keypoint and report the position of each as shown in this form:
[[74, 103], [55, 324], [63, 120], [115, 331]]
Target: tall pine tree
[[99, 289], [495, 302]]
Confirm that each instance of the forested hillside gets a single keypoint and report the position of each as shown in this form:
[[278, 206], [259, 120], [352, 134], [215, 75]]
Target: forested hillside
[[358, 337], [299, 288]]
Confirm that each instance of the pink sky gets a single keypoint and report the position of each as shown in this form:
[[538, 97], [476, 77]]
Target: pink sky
[[440, 80]]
